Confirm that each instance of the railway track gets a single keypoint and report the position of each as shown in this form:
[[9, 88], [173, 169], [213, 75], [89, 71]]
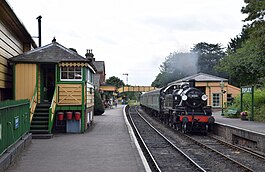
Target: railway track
[[163, 155], [239, 155], [209, 153]]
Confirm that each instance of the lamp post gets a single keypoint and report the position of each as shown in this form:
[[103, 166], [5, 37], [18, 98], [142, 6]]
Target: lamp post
[[222, 85]]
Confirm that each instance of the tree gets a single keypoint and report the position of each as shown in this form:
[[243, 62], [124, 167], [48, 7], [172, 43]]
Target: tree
[[255, 10], [209, 56], [246, 62], [176, 66], [238, 41], [98, 105], [115, 81]]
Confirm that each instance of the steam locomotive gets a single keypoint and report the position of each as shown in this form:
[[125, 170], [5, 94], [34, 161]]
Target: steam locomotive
[[181, 106]]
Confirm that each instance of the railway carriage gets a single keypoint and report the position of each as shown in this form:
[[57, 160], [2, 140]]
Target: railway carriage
[[180, 105]]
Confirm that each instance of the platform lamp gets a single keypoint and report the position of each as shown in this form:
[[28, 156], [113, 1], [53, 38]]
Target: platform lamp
[[222, 85]]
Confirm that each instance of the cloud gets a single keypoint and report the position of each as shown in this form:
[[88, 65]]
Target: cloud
[[132, 36]]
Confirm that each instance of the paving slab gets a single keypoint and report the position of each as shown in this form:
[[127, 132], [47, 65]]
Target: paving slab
[[107, 146], [258, 127]]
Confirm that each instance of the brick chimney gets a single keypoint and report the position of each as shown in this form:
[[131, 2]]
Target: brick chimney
[[89, 55]]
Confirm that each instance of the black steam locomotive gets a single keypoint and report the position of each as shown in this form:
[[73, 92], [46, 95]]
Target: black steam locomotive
[[181, 106]]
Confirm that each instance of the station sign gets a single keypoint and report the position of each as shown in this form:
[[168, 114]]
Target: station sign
[[249, 90], [246, 90]]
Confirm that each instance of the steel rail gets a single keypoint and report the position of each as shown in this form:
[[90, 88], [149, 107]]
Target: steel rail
[[144, 146], [238, 148], [219, 153], [172, 144]]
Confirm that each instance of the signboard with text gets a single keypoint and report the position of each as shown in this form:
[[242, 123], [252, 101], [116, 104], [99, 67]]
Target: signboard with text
[[249, 90], [246, 90]]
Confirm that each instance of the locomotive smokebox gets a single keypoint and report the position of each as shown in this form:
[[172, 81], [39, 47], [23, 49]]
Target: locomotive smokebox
[[192, 82]]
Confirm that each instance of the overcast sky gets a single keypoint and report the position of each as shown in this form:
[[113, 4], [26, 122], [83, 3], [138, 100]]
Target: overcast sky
[[132, 36]]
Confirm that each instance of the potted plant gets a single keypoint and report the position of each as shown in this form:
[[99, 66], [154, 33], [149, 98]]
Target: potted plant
[[244, 115]]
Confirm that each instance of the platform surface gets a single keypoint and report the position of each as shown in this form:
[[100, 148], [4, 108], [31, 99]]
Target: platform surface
[[258, 127], [107, 146]]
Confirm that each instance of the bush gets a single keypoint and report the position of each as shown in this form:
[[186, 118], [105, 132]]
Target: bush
[[259, 104], [98, 105], [133, 103]]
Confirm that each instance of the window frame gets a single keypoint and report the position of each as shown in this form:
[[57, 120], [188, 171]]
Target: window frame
[[219, 100], [61, 79]]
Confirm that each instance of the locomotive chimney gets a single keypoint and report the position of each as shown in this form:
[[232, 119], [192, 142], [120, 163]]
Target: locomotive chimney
[[192, 82]]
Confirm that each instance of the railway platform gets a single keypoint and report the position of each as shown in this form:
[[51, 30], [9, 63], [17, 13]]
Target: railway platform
[[107, 146], [257, 127], [250, 134]]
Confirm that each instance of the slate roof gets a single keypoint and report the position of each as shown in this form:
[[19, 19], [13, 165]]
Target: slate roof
[[51, 53], [201, 77], [100, 66]]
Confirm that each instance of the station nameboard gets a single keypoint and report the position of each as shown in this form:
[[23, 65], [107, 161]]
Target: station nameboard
[[250, 90], [246, 90]]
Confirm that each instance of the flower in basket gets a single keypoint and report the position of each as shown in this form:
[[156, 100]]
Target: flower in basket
[[244, 113]]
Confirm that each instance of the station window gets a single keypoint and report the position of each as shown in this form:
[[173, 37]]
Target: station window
[[216, 99], [71, 73]]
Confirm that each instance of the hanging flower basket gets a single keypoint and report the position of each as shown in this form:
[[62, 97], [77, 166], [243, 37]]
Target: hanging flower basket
[[244, 115]]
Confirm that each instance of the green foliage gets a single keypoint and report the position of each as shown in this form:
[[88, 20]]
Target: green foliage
[[133, 103], [238, 41], [245, 66], [115, 81], [245, 62], [259, 104], [98, 105], [209, 56], [255, 9], [131, 96], [202, 58]]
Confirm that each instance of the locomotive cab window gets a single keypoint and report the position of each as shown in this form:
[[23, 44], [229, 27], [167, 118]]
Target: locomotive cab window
[[71, 73]]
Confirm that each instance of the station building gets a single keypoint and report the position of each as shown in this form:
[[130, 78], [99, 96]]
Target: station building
[[59, 84], [218, 90], [15, 40]]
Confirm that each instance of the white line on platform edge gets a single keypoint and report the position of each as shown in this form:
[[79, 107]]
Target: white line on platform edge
[[133, 138]]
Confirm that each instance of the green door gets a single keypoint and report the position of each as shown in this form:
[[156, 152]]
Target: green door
[[47, 79]]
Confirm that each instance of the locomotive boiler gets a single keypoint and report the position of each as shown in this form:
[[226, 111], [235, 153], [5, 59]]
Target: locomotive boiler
[[182, 106]]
